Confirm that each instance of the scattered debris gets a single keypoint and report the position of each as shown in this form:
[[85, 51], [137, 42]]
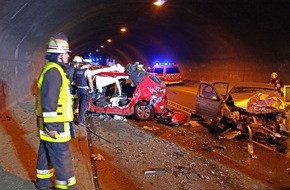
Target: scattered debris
[[172, 118], [154, 171], [251, 151], [152, 128], [230, 134], [220, 146], [97, 157], [192, 123], [119, 117]]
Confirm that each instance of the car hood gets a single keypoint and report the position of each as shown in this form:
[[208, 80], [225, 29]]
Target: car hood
[[259, 103]]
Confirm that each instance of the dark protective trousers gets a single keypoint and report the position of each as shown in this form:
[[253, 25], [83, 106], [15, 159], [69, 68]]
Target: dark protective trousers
[[56, 156], [84, 96]]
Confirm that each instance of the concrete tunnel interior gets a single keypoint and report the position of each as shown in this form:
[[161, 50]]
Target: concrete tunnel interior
[[238, 41]]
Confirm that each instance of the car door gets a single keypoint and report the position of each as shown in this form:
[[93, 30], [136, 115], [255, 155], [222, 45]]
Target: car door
[[222, 88], [209, 100]]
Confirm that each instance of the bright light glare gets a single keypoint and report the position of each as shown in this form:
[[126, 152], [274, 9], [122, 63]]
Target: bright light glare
[[123, 29], [159, 2]]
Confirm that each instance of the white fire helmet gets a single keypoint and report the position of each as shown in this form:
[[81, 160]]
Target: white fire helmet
[[78, 59], [274, 75], [57, 46]]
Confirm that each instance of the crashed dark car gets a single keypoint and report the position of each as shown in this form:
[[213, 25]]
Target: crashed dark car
[[255, 110]]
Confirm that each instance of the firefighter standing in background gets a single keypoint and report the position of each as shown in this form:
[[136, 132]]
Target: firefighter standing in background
[[77, 60], [85, 88], [276, 82], [54, 115]]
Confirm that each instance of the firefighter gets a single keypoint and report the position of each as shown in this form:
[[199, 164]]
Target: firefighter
[[54, 115], [76, 62], [85, 88], [276, 82]]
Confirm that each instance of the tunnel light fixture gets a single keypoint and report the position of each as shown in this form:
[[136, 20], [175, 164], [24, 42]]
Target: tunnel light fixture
[[123, 29], [159, 2], [102, 46], [109, 40]]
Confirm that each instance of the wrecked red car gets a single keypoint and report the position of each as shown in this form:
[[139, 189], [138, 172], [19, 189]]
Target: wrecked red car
[[133, 92], [255, 110]]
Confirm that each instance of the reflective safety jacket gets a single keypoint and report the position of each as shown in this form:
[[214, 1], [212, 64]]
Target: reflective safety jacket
[[63, 113]]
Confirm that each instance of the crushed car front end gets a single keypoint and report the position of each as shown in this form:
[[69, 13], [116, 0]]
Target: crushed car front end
[[255, 110]]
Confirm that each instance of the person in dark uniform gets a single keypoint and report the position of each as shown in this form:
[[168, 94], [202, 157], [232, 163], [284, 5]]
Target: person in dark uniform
[[77, 60], [85, 88], [54, 115]]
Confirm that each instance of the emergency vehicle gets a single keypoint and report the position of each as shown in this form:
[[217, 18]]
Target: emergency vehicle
[[169, 73]]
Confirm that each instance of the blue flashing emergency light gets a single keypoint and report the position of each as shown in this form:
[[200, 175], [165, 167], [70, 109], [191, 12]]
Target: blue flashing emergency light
[[162, 64]]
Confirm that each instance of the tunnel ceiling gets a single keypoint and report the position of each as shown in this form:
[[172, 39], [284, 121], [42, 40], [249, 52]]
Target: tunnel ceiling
[[179, 30]]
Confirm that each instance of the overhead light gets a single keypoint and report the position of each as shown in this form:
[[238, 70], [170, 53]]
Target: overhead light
[[109, 40], [159, 2], [123, 29]]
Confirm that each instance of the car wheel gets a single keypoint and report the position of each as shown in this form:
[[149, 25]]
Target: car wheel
[[144, 112]]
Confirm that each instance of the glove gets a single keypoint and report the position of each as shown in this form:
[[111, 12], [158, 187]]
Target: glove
[[53, 134], [52, 130]]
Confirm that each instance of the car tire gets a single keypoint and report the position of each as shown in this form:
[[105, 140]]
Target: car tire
[[144, 111]]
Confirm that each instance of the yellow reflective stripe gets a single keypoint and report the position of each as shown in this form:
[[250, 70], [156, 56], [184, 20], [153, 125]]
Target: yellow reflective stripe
[[49, 114], [61, 134], [46, 137], [50, 139], [72, 181], [65, 184], [60, 184], [44, 174]]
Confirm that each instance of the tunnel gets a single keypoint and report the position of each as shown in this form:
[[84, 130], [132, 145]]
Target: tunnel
[[209, 39]]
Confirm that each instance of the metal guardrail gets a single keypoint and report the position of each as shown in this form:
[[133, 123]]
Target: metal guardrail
[[180, 107]]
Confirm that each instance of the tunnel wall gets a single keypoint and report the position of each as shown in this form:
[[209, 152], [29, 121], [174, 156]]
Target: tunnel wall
[[26, 26], [235, 70]]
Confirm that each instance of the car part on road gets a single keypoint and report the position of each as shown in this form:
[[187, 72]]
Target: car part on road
[[172, 118]]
